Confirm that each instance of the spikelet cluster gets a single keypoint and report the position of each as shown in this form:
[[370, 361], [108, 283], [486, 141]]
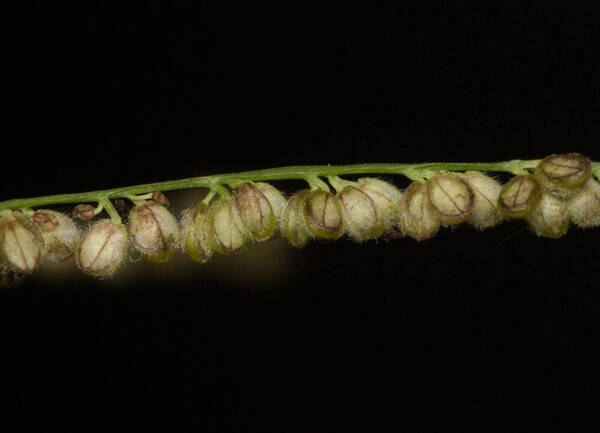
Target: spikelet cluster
[[227, 224], [28, 239], [569, 194], [560, 191]]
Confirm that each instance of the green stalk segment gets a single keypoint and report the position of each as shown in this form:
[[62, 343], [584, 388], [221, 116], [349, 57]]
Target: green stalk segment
[[308, 173]]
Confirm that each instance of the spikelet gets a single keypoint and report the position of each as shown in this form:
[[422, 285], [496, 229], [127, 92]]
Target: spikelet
[[154, 232], [451, 198], [61, 234], [102, 249], [360, 216], [416, 215]]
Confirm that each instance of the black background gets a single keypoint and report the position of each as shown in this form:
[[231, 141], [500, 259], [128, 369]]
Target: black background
[[469, 327]]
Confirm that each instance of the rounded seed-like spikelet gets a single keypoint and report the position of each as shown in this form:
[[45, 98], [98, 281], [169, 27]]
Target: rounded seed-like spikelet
[[193, 233], [21, 243], [224, 235], [563, 175], [102, 249], [276, 199], [486, 191], [61, 234], [323, 215], [550, 218], [386, 198], [416, 216], [252, 212], [451, 198], [520, 196], [159, 197], [154, 232], [292, 225], [84, 212], [360, 217], [584, 207]]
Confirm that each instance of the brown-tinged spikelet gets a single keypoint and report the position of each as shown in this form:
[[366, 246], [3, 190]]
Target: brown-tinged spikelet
[[292, 225], [102, 249], [159, 197], [584, 207], [84, 212], [486, 191], [276, 199], [193, 233], [451, 198], [61, 234], [519, 196], [21, 243], [416, 216], [361, 220], [252, 212], [154, 231], [323, 215], [550, 218], [563, 175], [386, 198], [222, 232]]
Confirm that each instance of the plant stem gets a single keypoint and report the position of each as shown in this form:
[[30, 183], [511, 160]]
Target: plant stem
[[308, 173], [110, 210]]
